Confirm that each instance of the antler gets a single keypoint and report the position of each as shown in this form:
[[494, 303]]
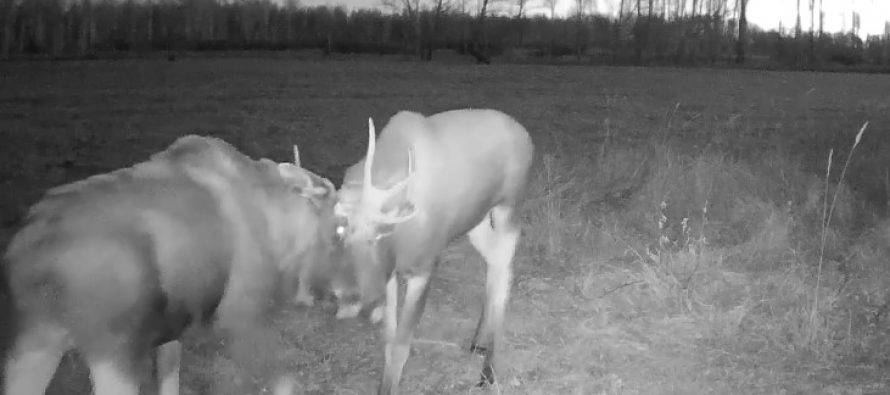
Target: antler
[[367, 185], [369, 191], [296, 156]]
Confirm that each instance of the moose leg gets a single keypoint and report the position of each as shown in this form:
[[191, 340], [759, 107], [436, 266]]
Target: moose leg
[[399, 332], [495, 238], [35, 358], [169, 362], [304, 296]]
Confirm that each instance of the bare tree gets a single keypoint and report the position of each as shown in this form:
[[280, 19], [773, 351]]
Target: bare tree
[[649, 31], [551, 5], [812, 31], [616, 33], [87, 27], [480, 42], [465, 26], [797, 24], [521, 9], [10, 9], [742, 42], [290, 7], [885, 51], [411, 11], [434, 29], [579, 28], [638, 32], [856, 25]]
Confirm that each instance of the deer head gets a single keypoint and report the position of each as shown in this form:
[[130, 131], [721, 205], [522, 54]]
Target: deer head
[[367, 214], [378, 210]]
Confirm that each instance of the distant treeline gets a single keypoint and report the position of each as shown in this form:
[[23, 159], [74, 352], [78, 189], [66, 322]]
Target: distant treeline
[[644, 32]]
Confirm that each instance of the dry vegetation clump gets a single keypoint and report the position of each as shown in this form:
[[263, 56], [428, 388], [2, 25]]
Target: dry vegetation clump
[[567, 194], [866, 281], [733, 255]]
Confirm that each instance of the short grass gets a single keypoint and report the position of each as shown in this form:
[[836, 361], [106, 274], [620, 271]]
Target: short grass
[[672, 231]]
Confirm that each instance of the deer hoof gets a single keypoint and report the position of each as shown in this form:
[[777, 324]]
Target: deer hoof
[[477, 349]]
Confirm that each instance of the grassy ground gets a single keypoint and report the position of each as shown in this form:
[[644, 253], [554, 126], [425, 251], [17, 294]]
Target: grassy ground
[[673, 234]]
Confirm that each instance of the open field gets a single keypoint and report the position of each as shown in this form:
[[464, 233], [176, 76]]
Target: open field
[[615, 291]]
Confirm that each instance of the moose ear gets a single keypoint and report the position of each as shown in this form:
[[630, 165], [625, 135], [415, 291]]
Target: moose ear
[[302, 182], [290, 172]]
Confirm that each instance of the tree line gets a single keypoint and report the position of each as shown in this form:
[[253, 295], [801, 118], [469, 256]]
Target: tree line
[[679, 32]]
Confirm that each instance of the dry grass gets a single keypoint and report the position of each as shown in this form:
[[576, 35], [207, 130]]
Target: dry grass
[[672, 232]]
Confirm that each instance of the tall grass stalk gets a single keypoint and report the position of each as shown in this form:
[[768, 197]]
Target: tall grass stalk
[[827, 212]]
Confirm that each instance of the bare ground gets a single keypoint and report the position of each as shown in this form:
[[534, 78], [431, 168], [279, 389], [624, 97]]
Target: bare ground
[[576, 323]]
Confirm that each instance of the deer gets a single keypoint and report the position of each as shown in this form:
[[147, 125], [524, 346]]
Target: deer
[[124, 263], [424, 182]]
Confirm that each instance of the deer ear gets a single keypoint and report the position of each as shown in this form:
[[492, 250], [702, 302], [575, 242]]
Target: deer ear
[[400, 212]]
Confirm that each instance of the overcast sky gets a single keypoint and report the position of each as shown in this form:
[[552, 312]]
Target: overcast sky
[[764, 13]]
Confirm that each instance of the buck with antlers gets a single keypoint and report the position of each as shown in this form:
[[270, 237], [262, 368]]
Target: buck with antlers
[[423, 183], [120, 263]]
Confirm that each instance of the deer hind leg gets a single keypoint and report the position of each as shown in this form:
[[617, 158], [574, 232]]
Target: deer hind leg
[[34, 358], [169, 362], [495, 238]]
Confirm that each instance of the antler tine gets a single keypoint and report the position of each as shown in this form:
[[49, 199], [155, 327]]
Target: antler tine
[[368, 185], [410, 170]]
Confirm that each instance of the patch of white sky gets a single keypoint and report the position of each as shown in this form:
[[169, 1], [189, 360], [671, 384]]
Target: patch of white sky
[[767, 14]]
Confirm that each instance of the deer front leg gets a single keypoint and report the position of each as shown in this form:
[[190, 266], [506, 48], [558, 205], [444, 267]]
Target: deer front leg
[[113, 376], [495, 239], [399, 331]]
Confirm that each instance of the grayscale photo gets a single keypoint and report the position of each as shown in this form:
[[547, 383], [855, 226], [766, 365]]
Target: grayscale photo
[[523, 197]]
